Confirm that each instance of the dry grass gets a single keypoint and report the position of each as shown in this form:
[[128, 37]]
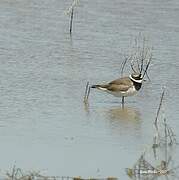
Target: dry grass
[[164, 139], [18, 174], [139, 57]]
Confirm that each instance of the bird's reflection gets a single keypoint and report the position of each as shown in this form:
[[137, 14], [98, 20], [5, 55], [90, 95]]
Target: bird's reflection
[[125, 119], [119, 118], [124, 114]]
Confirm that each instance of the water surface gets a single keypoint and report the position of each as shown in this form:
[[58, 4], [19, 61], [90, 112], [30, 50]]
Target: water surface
[[44, 124]]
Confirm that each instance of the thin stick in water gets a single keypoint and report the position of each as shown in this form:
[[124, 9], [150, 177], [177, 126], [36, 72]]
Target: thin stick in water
[[71, 21], [166, 142], [158, 111], [87, 92], [148, 63]]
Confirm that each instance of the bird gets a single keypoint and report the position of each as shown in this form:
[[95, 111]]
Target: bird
[[122, 87]]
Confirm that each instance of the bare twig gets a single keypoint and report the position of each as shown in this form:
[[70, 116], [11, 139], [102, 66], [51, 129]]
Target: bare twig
[[87, 92], [71, 21], [140, 58], [126, 59], [166, 144], [147, 66], [70, 11], [158, 111]]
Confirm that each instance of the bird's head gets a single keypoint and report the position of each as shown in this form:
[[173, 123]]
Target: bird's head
[[136, 77]]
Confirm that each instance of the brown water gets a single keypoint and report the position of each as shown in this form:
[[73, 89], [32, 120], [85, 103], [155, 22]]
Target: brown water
[[44, 124]]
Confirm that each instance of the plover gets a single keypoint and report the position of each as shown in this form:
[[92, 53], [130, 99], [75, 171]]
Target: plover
[[122, 87], [126, 86]]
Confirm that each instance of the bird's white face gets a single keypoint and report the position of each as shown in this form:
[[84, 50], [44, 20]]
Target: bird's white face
[[136, 77]]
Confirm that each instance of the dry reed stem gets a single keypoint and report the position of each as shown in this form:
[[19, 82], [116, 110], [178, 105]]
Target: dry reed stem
[[70, 11], [140, 58], [87, 93], [158, 111], [71, 21]]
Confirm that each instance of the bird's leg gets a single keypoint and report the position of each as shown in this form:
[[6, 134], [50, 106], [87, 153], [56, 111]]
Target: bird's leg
[[122, 101]]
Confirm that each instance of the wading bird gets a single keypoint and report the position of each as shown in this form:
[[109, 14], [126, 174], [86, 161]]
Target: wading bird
[[125, 86]]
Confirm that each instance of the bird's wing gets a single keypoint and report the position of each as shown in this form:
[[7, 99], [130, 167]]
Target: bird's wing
[[121, 84], [123, 81], [117, 87]]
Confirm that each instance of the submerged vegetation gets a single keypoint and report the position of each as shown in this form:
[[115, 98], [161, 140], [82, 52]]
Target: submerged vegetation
[[18, 174], [164, 141]]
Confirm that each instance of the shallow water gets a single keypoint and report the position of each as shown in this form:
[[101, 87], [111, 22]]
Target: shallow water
[[44, 124]]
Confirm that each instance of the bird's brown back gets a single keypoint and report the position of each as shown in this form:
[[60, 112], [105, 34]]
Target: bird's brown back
[[120, 84], [122, 81]]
